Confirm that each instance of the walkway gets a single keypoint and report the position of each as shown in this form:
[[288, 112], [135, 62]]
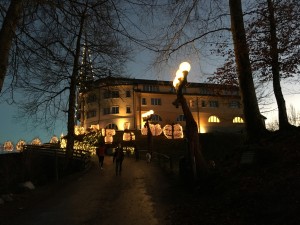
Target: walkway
[[98, 197]]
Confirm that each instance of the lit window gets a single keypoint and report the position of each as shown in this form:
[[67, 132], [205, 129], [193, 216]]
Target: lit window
[[155, 101], [213, 119], [180, 118], [238, 119], [144, 102], [115, 110]]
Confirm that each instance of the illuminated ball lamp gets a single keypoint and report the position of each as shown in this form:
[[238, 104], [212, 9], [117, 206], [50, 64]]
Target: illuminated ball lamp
[[178, 131], [156, 129], [109, 133], [54, 140], [8, 146], [20, 145], [144, 131], [175, 132], [128, 136], [36, 141], [78, 130]]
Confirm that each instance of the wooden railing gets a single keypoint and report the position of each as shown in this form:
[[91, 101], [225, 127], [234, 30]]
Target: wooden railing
[[83, 156]]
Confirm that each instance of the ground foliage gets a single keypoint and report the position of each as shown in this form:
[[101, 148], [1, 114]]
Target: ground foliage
[[263, 192]]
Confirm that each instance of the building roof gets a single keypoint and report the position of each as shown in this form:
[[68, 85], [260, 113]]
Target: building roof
[[112, 81]]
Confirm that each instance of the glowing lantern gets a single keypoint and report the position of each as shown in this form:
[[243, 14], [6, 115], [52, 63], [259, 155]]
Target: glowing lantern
[[54, 140], [95, 127], [144, 131], [20, 145], [174, 131], [8, 146], [36, 141], [155, 129], [108, 139], [78, 130], [128, 136]]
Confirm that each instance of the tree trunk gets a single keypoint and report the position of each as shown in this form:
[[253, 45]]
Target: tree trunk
[[282, 113], [72, 96], [7, 33], [197, 160], [253, 119]]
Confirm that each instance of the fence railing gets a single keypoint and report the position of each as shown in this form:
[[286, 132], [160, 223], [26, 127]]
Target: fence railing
[[83, 156]]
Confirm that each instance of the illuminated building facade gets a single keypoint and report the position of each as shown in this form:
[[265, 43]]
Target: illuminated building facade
[[118, 103]]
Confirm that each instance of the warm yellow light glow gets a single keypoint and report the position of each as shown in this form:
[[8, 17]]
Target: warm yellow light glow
[[36, 141], [95, 127], [78, 130], [175, 83], [155, 129], [8, 146], [20, 145], [146, 114], [213, 119], [179, 75], [238, 120], [144, 131], [202, 130], [185, 66], [128, 136], [177, 131], [54, 140], [108, 139]]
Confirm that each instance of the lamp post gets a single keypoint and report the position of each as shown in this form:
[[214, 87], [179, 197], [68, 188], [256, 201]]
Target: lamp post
[[196, 159], [146, 117]]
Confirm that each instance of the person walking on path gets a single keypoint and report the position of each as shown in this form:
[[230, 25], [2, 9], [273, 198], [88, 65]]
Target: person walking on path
[[100, 151], [118, 157]]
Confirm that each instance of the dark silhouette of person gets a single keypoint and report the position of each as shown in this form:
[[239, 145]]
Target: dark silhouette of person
[[100, 151], [118, 157]]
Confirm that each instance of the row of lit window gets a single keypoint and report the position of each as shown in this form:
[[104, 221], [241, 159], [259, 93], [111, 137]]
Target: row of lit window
[[155, 117]]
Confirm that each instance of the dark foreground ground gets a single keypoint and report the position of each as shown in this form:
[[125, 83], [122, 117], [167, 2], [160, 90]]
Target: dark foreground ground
[[264, 192]]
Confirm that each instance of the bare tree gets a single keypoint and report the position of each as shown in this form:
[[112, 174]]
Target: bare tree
[[254, 123], [52, 43], [7, 33], [272, 33]]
